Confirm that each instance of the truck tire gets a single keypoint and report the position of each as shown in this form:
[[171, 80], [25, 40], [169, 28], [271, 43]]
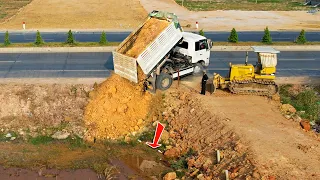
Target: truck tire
[[164, 81], [198, 69]]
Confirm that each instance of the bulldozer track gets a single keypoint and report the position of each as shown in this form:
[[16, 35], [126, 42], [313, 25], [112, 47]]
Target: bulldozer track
[[253, 87]]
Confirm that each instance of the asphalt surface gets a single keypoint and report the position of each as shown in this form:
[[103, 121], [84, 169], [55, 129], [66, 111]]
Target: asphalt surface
[[99, 65], [25, 37]]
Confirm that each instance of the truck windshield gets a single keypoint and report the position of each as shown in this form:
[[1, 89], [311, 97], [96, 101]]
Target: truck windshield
[[202, 44]]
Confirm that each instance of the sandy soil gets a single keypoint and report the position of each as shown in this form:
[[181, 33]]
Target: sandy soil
[[79, 14], [241, 20]]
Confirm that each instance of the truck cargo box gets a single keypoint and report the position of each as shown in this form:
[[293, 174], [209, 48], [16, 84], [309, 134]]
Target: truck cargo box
[[146, 47]]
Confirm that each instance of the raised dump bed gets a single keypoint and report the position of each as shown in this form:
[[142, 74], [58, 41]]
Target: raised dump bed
[[147, 46]]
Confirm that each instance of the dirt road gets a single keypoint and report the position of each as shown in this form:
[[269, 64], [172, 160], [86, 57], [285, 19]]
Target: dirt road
[[78, 14], [280, 146], [241, 20]]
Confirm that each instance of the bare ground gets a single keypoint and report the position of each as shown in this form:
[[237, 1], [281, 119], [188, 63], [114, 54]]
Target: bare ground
[[240, 20], [78, 14], [277, 146]]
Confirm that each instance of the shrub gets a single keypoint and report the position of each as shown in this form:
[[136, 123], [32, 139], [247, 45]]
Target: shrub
[[307, 101], [201, 32], [39, 40], [301, 38], [70, 39], [233, 36], [266, 37], [103, 38], [6, 39]]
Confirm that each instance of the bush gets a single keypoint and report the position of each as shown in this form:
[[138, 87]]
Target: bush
[[201, 32], [307, 101], [233, 36], [70, 39], [266, 37], [6, 39], [301, 38], [103, 39], [39, 40]]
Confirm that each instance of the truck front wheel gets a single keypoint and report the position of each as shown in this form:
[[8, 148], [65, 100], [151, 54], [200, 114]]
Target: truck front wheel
[[164, 81]]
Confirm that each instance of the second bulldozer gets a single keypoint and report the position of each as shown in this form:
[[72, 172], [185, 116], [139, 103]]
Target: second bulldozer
[[251, 79]]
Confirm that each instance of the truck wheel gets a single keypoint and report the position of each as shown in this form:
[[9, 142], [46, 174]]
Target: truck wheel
[[198, 69], [164, 81]]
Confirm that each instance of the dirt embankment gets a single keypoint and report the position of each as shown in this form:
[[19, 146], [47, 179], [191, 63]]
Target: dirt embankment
[[35, 107]]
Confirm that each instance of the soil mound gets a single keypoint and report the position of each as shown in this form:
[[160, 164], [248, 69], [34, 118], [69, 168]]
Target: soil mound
[[149, 31], [116, 108]]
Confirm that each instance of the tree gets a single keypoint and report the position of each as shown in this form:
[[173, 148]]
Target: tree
[[103, 38], [266, 37], [6, 39], [233, 36], [70, 39], [301, 38], [39, 40], [201, 32]]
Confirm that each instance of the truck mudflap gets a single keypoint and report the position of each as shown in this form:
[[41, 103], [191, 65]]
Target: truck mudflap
[[125, 66]]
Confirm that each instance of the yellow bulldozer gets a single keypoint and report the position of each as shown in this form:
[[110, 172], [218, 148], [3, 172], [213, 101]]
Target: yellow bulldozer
[[251, 79]]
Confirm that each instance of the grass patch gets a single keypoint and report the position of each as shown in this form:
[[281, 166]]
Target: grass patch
[[305, 101], [9, 8], [57, 44], [248, 5], [41, 140]]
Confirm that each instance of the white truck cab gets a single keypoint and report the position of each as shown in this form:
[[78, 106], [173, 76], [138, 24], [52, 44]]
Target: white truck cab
[[196, 47]]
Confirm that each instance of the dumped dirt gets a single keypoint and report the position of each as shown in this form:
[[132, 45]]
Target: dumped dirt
[[79, 14], [116, 108], [149, 31]]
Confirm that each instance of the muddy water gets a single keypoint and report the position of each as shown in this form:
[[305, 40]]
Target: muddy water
[[47, 174]]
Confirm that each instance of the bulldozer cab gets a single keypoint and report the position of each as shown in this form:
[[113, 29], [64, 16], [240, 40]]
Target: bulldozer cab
[[267, 60]]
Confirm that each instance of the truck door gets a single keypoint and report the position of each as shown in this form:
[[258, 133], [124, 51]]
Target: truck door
[[202, 52]]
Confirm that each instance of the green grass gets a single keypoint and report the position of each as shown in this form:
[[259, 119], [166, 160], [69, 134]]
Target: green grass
[[306, 101], [41, 140], [248, 5], [10, 7], [56, 44]]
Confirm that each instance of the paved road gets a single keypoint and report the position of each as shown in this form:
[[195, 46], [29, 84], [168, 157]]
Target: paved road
[[120, 36], [34, 65]]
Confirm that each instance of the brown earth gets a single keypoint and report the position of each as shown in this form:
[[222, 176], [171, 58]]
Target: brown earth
[[116, 108], [148, 32], [79, 14], [35, 107]]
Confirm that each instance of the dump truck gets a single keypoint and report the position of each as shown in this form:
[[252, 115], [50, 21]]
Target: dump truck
[[248, 78], [156, 58]]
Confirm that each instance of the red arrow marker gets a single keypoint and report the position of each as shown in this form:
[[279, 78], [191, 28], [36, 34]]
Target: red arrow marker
[[157, 136]]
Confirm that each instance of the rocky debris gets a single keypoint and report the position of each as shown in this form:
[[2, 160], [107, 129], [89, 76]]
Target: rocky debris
[[193, 127], [305, 124], [165, 135], [172, 153], [170, 176], [276, 97], [287, 109], [296, 118], [8, 135], [61, 135]]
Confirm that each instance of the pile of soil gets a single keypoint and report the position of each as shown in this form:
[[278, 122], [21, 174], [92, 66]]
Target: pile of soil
[[117, 107], [149, 31]]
